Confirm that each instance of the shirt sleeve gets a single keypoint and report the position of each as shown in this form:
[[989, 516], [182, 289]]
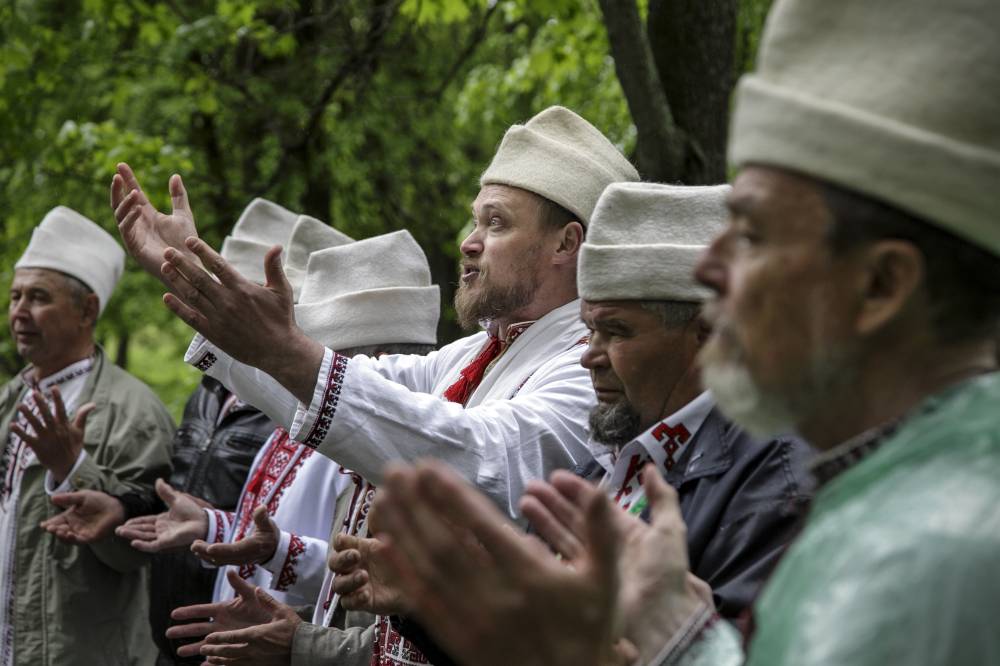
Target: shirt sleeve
[[705, 640], [363, 420], [253, 386], [313, 645], [298, 565], [66, 486]]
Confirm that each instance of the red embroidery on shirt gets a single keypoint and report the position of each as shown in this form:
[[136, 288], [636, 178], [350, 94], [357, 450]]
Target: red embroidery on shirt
[[288, 576], [328, 405], [675, 436]]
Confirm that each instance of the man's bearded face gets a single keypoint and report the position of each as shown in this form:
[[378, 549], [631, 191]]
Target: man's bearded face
[[502, 257]]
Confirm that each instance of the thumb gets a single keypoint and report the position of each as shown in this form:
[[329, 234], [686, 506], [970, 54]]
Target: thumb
[[67, 500], [81, 415], [661, 495], [166, 492], [178, 195], [262, 521], [346, 542], [268, 602], [598, 527], [240, 586], [274, 273]]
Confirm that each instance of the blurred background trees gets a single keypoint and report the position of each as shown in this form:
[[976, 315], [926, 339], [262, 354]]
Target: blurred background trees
[[373, 115]]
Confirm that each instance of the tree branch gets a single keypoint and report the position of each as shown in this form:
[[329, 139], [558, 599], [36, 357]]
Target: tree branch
[[660, 142]]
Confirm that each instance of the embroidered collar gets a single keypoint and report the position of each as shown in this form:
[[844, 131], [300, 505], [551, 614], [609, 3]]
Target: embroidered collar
[[71, 371], [830, 464]]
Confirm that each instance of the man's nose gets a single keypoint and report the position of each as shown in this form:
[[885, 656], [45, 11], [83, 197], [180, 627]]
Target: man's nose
[[472, 245], [711, 269]]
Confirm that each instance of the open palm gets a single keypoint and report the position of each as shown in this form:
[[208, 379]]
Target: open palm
[[146, 231]]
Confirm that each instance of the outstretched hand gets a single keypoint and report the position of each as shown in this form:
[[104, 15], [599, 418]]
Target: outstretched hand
[[145, 231], [252, 323], [55, 439], [253, 549], [265, 644], [178, 527], [90, 515], [475, 580], [657, 592], [242, 611], [362, 579]]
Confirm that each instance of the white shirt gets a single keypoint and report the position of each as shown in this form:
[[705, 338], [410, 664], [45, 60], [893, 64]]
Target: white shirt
[[527, 417]]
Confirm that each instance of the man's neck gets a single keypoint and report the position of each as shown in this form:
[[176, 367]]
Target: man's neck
[[890, 385], [50, 367], [533, 312]]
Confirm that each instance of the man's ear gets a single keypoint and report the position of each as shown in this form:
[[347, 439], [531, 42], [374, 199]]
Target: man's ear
[[893, 271], [570, 239], [91, 310]]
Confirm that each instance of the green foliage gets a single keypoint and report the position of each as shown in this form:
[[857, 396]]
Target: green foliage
[[374, 115]]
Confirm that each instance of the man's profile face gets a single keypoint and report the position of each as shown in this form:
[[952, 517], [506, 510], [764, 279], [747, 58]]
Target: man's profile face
[[635, 362], [501, 258], [45, 320], [782, 317]]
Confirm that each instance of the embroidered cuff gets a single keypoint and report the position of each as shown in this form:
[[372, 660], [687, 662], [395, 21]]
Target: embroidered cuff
[[278, 558], [201, 353], [67, 483], [690, 633], [289, 574], [216, 530], [312, 423]]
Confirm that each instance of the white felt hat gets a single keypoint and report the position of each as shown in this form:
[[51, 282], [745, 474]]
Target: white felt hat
[[262, 225], [372, 291], [308, 235], [560, 156], [68, 242], [895, 99], [645, 240]]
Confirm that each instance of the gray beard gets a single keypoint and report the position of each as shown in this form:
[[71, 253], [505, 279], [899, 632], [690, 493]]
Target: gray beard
[[615, 424]]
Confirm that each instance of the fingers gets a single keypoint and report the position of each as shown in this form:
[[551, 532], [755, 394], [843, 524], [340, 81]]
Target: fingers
[[274, 273], [197, 611], [661, 495], [570, 515], [445, 493], [602, 549], [80, 420], [188, 280], [117, 191], [67, 500], [142, 528], [26, 437], [60, 407], [242, 588], [220, 645], [349, 583], [345, 542], [128, 176], [243, 551], [44, 414], [190, 630], [178, 195], [262, 520], [344, 561], [550, 528], [213, 261], [166, 493], [187, 314]]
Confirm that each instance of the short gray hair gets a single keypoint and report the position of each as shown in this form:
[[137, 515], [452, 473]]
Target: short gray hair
[[673, 313]]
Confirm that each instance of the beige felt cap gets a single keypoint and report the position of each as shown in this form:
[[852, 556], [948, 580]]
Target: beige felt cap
[[895, 99], [70, 243], [372, 291], [645, 240], [262, 225], [562, 157], [308, 235]]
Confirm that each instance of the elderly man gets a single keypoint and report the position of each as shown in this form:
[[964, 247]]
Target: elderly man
[[72, 421], [858, 302], [503, 406]]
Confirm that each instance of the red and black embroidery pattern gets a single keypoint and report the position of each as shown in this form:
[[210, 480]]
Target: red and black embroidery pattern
[[288, 575], [328, 407]]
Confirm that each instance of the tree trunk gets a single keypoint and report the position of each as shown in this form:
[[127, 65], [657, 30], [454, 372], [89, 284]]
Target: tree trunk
[[693, 45], [660, 142], [677, 75]]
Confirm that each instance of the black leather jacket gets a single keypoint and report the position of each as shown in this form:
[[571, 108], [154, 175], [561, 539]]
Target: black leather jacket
[[211, 460]]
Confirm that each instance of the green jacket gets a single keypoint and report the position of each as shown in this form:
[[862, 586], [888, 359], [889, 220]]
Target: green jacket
[[899, 562], [85, 605]]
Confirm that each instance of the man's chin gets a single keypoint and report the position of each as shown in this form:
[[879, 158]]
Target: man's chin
[[743, 402]]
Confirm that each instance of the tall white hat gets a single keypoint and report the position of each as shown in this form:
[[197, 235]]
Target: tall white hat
[[70, 243], [308, 235], [645, 240], [895, 99], [560, 156], [262, 225], [372, 291]]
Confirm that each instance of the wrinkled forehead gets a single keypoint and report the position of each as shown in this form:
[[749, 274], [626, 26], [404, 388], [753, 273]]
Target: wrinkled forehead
[[50, 280], [785, 202]]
